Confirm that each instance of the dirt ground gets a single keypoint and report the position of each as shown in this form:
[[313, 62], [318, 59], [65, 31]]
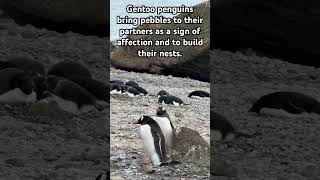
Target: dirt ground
[[126, 147], [289, 145], [42, 142]]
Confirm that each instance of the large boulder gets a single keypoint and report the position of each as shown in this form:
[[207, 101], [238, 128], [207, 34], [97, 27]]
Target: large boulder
[[194, 63], [284, 29], [91, 14]]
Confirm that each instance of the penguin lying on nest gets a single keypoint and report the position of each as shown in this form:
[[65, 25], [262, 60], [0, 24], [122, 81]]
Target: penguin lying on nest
[[69, 95], [291, 102], [222, 129]]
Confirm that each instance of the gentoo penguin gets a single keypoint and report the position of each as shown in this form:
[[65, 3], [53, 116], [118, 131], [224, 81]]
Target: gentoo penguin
[[153, 140], [162, 93], [70, 96], [97, 88], [16, 86], [169, 99], [132, 84], [164, 121], [115, 88], [131, 91], [117, 82], [200, 94], [292, 102], [28, 65], [68, 69], [223, 129], [142, 91]]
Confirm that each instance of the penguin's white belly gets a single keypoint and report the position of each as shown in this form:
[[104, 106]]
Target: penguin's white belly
[[167, 131], [148, 143], [115, 92], [70, 106], [197, 97], [17, 96], [129, 94]]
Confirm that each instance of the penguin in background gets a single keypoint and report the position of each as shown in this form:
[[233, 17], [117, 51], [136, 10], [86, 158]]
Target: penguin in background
[[130, 91], [162, 93], [199, 94], [69, 95], [164, 121], [115, 81], [69, 69], [115, 88], [28, 65], [95, 87], [153, 141], [16, 86], [132, 84], [169, 99]]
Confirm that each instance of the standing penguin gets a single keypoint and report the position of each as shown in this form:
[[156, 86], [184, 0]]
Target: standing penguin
[[170, 100], [16, 86], [70, 96], [153, 140], [164, 121]]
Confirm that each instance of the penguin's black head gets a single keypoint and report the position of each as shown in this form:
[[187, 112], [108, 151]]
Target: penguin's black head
[[256, 107], [161, 111], [162, 99], [124, 88], [162, 93], [144, 120], [23, 81], [51, 82]]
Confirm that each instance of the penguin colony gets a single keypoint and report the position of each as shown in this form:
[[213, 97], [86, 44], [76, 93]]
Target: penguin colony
[[156, 131], [291, 102], [70, 84]]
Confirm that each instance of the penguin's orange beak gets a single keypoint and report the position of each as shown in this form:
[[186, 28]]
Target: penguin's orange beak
[[135, 122]]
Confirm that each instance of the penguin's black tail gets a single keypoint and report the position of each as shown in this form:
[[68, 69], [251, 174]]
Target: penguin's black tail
[[170, 163], [245, 135]]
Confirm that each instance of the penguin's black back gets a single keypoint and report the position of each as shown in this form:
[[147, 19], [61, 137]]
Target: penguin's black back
[[97, 88], [115, 86], [11, 78], [117, 82], [130, 89], [140, 89], [71, 91], [132, 84], [199, 93], [5, 64], [292, 102], [169, 99], [220, 123], [28, 65], [69, 69]]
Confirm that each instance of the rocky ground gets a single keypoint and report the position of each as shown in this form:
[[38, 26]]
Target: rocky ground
[[42, 142], [289, 145], [126, 147]]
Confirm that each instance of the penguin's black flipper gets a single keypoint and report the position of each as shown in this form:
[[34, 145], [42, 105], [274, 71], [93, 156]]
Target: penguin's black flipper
[[170, 163]]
